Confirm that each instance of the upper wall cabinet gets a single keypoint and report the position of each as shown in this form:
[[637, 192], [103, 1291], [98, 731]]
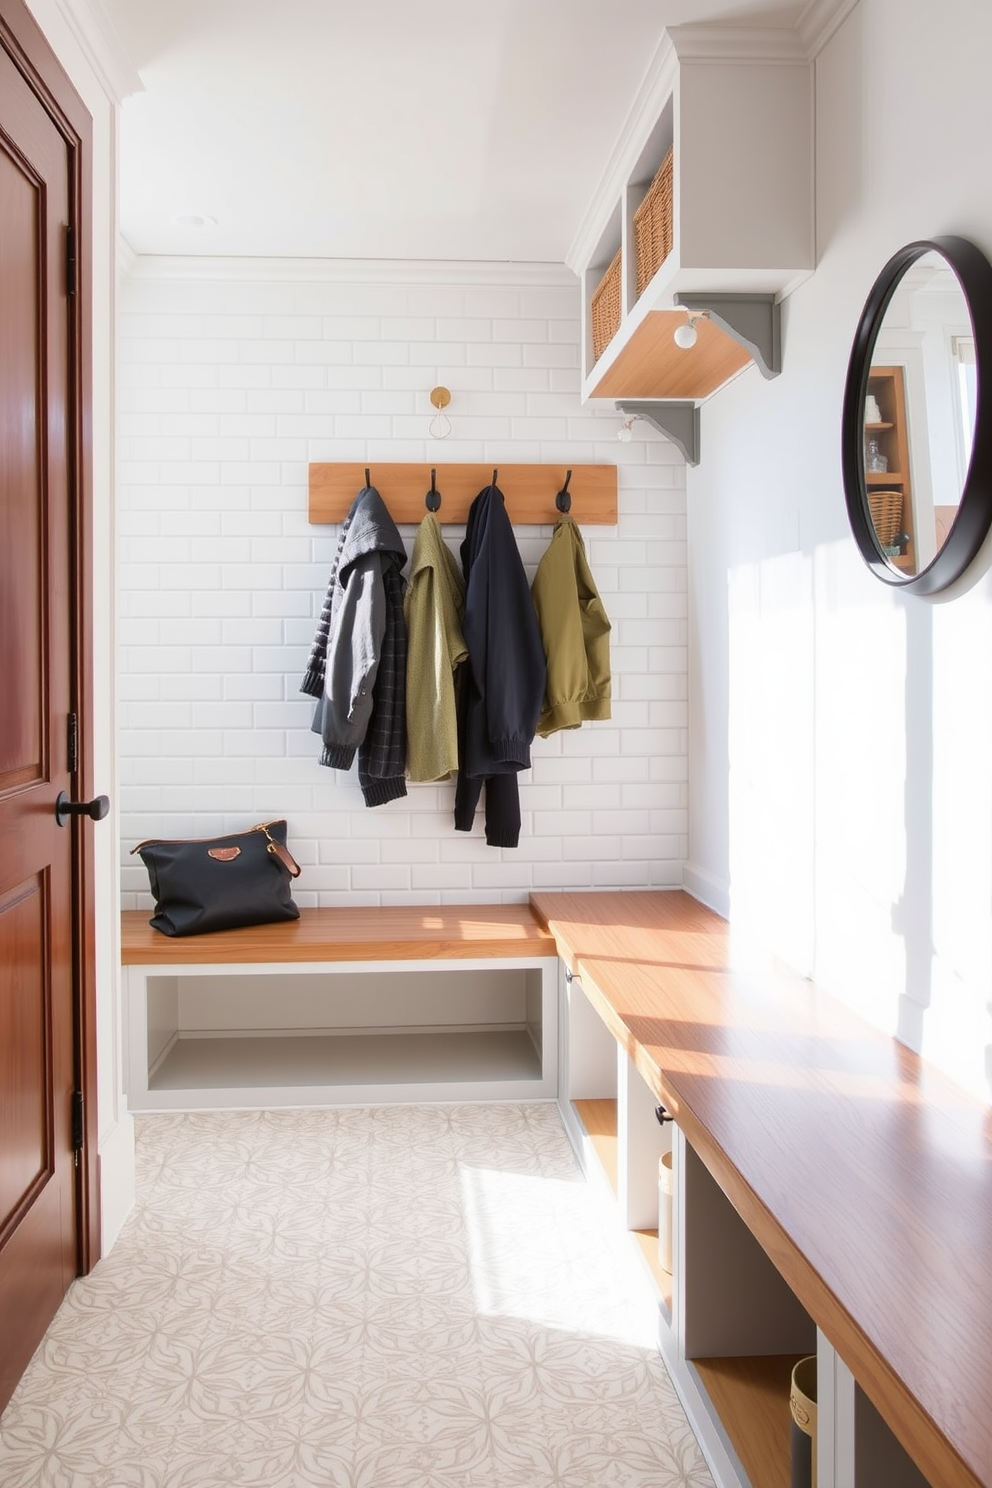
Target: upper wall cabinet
[[722, 128]]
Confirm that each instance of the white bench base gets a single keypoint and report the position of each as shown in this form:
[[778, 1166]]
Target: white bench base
[[261, 1035]]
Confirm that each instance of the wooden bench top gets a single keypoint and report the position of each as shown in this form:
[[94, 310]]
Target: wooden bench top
[[863, 1172], [447, 932]]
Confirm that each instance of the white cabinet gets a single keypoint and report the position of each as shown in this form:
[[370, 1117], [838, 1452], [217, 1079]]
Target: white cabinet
[[730, 1329], [735, 105]]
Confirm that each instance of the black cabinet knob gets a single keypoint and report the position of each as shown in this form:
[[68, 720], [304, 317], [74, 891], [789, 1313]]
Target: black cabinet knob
[[96, 809]]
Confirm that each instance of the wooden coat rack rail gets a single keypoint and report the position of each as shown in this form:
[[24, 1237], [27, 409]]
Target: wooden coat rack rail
[[529, 491]]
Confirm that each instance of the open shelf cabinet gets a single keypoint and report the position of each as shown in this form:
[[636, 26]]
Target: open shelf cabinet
[[220, 1037], [609, 1114], [738, 124]]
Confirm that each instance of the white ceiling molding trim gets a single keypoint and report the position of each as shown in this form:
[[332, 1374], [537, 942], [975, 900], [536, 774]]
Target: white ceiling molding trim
[[659, 81], [100, 43], [703, 42], [820, 19], [147, 266]]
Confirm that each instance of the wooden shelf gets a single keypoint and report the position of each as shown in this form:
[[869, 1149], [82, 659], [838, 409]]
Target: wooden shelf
[[887, 386], [335, 1060], [364, 933], [643, 361], [751, 1399], [599, 1121]]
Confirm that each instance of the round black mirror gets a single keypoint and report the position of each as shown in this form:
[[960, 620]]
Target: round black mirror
[[916, 436]]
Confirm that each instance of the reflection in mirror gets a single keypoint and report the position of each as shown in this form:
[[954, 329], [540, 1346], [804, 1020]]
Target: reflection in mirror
[[916, 435], [920, 414]]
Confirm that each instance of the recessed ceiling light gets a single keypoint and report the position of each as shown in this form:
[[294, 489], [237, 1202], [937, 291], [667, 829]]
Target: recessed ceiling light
[[194, 219]]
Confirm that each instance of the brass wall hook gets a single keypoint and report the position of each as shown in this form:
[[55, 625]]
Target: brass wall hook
[[440, 424]]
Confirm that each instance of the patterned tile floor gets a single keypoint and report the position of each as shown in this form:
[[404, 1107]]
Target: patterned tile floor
[[390, 1297]]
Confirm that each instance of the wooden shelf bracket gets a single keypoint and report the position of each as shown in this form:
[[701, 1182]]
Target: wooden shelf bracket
[[753, 320]]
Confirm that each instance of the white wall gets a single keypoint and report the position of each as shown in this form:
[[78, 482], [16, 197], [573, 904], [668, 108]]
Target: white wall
[[233, 378], [841, 734]]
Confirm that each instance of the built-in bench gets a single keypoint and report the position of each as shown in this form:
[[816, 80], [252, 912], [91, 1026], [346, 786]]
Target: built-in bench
[[343, 1006], [833, 1194]]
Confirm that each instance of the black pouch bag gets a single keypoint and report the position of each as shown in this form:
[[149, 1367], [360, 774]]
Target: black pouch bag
[[221, 883]]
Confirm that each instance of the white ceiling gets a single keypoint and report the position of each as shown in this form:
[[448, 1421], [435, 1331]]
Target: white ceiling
[[383, 129]]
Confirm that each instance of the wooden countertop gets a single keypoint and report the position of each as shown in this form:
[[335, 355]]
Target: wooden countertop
[[447, 932], [863, 1172]]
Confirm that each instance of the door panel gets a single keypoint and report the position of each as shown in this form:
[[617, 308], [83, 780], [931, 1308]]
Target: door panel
[[25, 1076], [20, 364], [38, 1230]]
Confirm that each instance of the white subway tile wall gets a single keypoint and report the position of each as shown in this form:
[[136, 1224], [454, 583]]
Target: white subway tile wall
[[228, 389]]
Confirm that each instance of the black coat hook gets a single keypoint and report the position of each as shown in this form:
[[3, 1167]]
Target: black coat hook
[[368, 478], [433, 498], [495, 476], [563, 501]]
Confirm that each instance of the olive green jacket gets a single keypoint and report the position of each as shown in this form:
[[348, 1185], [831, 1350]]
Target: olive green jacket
[[575, 630], [434, 605]]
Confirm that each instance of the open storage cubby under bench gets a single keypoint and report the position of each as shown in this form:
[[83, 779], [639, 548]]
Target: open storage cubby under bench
[[343, 1006], [832, 1191]]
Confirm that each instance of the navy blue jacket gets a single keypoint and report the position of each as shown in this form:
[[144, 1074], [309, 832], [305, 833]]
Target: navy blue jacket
[[503, 684]]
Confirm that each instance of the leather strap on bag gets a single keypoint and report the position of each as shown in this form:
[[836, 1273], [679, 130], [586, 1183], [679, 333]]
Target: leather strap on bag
[[277, 850]]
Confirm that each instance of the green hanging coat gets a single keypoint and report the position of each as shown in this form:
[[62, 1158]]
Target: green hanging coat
[[434, 605], [575, 630]]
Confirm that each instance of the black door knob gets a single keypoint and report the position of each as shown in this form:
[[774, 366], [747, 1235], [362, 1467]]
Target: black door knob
[[96, 809]]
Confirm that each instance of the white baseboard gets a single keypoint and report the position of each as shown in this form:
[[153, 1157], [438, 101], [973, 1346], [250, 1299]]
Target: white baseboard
[[116, 1180], [711, 891]]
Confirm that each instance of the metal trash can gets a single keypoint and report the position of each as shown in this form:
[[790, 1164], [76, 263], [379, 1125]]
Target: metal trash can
[[802, 1402]]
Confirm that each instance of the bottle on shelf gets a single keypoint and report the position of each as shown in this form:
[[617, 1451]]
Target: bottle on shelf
[[875, 462]]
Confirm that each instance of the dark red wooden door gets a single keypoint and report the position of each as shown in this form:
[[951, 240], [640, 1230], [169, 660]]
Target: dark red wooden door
[[38, 1224]]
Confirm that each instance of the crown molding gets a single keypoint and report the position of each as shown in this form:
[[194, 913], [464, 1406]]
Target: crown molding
[[710, 42], [100, 42], [819, 20], [187, 267]]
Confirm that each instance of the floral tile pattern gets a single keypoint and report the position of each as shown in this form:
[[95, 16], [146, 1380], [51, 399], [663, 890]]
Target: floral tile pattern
[[386, 1297]]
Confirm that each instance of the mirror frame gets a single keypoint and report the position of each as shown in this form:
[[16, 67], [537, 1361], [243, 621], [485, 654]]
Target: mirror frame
[[974, 518]]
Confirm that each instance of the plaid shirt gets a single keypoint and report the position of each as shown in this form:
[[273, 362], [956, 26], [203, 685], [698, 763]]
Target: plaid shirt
[[382, 746], [382, 754]]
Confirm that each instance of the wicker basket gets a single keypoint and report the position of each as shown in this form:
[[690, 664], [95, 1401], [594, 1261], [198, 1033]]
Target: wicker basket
[[886, 515], [653, 225], [606, 307]]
